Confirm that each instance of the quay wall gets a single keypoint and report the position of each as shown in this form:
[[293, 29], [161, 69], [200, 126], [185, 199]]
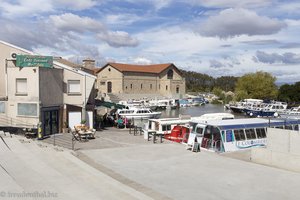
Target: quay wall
[[282, 151]]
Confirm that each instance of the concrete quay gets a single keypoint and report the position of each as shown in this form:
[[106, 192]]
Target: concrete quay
[[117, 165]]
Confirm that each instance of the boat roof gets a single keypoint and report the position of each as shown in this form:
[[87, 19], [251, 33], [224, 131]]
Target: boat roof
[[164, 121], [213, 116], [248, 123]]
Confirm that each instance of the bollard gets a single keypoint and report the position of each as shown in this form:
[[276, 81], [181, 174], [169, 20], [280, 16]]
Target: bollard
[[161, 136], [154, 137], [40, 134]]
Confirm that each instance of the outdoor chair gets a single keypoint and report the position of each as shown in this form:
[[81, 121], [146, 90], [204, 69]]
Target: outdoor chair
[[76, 136]]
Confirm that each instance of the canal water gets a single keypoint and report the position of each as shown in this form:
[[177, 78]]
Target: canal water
[[195, 111]]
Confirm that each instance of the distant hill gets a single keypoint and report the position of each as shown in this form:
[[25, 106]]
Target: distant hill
[[196, 82]]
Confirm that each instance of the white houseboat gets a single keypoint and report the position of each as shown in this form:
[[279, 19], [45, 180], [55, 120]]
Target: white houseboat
[[165, 125], [138, 113], [235, 134]]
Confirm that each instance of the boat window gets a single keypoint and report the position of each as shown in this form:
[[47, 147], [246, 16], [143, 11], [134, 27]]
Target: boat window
[[166, 127], [261, 133], [199, 130], [229, 137], [156, 126], [193, 125], [296, 128], [239, 135], [280, 127], [289, 127], [250, 134], [139, 111]]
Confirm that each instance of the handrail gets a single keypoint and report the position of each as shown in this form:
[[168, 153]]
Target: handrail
[[6, 121], [5, 142]]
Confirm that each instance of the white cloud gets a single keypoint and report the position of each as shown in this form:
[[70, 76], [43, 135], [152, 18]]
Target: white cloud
[[121, 19], [71, 22], [118, 39], [75, 4], [161, 3], [142, 61], [24, 7], [74, 23], [231, 3], [31, 8], [234, 22], [271, 58]]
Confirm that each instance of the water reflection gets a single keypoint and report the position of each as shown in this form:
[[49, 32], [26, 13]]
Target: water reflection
[[194, 111]]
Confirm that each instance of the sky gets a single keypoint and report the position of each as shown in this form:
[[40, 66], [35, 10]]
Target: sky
[[216, 37]]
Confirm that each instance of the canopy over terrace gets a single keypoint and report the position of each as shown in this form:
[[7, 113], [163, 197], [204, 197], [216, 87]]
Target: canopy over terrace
[[99, 103]]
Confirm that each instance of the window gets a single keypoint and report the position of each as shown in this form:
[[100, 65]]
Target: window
[[166, 127], [177, 89], [261, 133], [109, 69], [102, 83], [250, 134], [131, 86], [151, 86], [21, 86], [170, 74], [229, 137], [199, 130], [289, 127], [239, 135], [158, 86], [2, 107], [126, 87], [27, 109], [141, 86], [166, 87], [74, 86]]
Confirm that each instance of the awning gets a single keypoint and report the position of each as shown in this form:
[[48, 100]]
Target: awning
[[108, 104]]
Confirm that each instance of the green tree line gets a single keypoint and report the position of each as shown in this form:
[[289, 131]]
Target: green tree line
[[198, 82], [259, 85]]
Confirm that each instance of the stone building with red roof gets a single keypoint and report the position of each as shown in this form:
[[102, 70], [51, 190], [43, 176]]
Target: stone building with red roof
[[157, 79]]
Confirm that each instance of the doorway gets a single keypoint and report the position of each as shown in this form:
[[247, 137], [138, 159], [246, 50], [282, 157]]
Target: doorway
[[109, 87], [50, 122]]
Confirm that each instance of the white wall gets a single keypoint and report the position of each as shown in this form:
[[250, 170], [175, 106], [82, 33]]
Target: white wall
[[283, 150]]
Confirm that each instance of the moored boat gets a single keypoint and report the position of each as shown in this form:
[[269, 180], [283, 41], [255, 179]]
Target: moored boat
[[235, 134], [138, 113]]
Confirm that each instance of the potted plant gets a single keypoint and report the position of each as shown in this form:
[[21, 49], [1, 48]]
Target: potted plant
[[83, 122]]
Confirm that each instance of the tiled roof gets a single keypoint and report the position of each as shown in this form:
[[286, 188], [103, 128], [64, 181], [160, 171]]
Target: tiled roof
[[156, 69], [66, 62], [77, 66]]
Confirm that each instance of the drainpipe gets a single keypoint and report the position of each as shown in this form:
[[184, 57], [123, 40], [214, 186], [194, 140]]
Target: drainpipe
[[6, 80], [83, 117]]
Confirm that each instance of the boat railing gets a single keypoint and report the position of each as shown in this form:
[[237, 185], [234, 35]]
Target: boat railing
[[216, 146], [206, 143]]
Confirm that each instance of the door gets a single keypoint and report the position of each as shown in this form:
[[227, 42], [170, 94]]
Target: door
[[50, 122], [109, 87], [74, 119]]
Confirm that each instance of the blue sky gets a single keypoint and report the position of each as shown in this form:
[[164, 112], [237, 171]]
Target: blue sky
[[217, 37]]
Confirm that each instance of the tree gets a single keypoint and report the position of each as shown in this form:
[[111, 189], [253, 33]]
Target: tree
[[289, 93], [217, 91], [259, 85]]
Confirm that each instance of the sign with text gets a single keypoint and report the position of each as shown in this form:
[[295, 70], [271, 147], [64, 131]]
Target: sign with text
[[34, 61]]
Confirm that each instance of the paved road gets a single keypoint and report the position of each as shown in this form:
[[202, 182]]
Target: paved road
[[180, 174]]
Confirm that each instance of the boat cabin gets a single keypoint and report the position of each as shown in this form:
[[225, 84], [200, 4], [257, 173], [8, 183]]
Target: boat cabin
[[236, 134]]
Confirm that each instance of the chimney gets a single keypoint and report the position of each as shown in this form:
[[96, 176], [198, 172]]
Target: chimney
[[89, 63]]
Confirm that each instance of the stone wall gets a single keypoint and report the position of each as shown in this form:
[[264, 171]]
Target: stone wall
[[282, 151]]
